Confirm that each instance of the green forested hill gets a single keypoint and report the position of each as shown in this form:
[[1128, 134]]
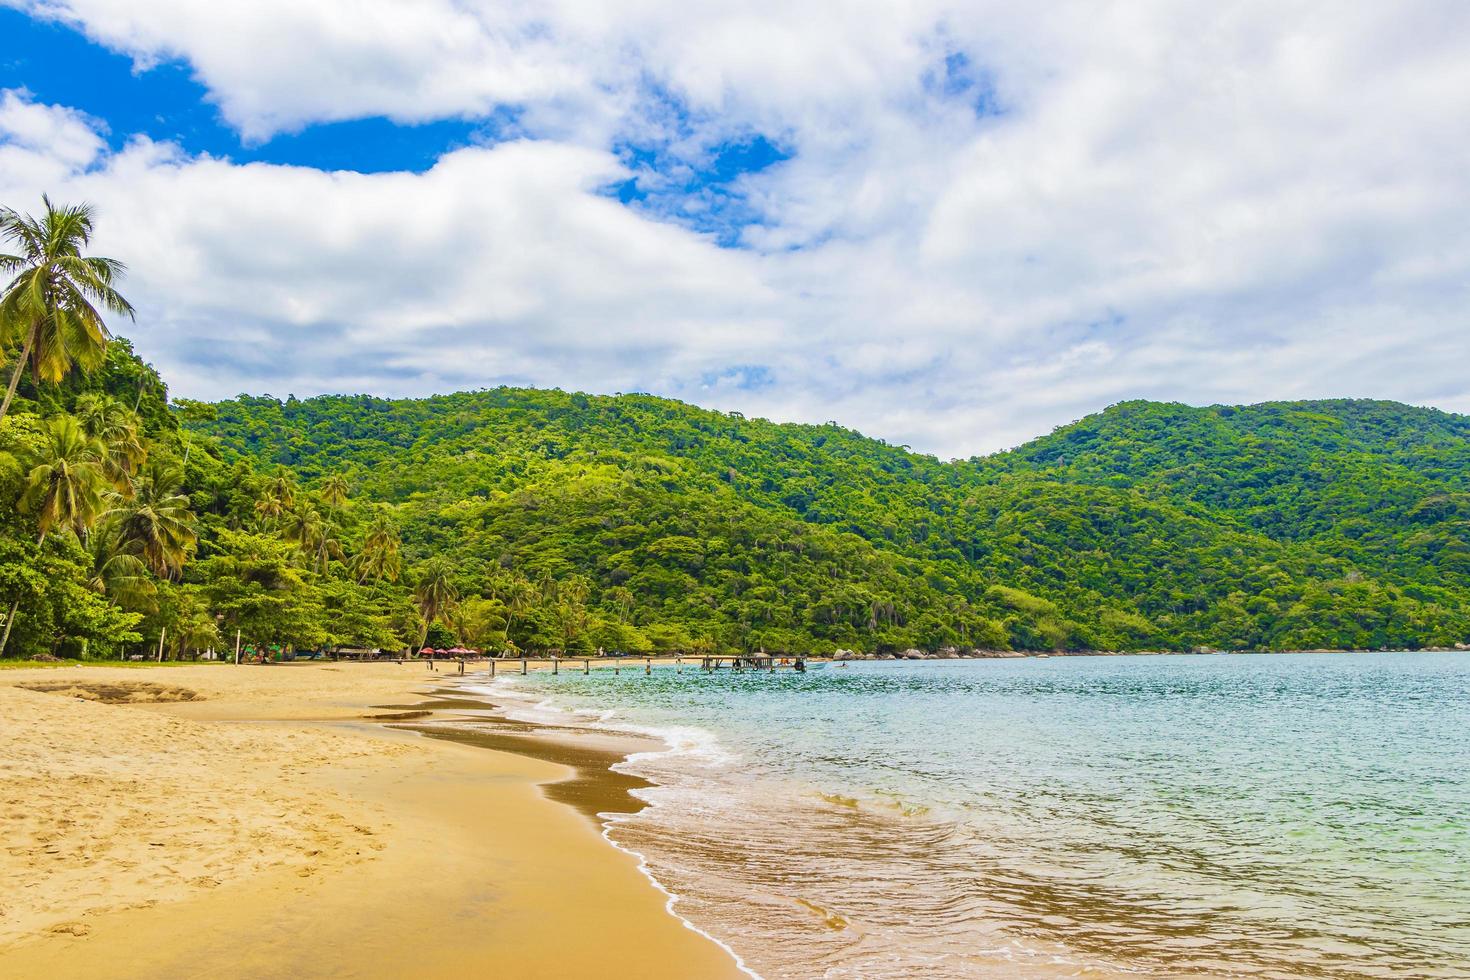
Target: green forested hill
[[1291, 525], [543, 520], [524, 520]]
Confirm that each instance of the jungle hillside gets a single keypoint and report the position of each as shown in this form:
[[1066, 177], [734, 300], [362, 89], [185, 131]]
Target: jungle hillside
[[518, 520]]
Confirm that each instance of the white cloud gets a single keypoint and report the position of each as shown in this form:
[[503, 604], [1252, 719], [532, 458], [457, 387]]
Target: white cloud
[[1188, 201], [40, 143]]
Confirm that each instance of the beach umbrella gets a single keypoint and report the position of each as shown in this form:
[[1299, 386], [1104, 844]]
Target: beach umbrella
[[428, 650], [459, 650]]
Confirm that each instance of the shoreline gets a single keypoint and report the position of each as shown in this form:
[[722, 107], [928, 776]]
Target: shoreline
[[806, 921], [682, 850], [334, 842], [599, 791]]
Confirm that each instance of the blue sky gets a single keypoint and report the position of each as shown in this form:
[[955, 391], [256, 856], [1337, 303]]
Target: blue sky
[[59, 65], [163, 101], [950, 225]]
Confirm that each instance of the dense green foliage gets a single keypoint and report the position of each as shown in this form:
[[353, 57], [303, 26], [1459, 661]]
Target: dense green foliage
[[541, 520], [1323, 524], [538, 521]]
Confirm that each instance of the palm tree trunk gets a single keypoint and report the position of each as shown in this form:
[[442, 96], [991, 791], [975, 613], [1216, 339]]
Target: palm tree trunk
[[9, 621], [20, 366]]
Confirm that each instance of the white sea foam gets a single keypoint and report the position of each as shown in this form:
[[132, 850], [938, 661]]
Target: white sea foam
[[680, 742]]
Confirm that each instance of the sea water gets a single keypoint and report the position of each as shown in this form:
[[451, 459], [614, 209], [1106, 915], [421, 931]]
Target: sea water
[[1271, 815]]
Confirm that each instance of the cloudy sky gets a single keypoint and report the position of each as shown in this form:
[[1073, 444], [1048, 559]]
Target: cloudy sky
[[953, 226]]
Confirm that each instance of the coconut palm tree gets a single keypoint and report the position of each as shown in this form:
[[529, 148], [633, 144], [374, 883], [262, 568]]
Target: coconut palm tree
[[156, 524], [519, 596], [117, 574], [66, 487], [277, 498], [301, 526], [327, 548], [269, 507], [435, 595], [379, 558], [50, 306], [283, 488], [310, 532], [120, 431], [334, 490]]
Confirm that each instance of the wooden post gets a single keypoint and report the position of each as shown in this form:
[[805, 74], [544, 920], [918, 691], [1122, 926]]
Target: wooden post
[[555, 665], [492, 666], [523, 665], [617, 667], [161, 630], [648, 667], [237, 648], [586, 667]]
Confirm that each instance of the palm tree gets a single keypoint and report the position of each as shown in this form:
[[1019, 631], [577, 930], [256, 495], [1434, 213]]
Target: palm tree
[[48, 307], [623, 600], [66, 487], [379, 558], [313, 535], [156, 524], [435, 594], [519, 597], [120, 431], [117, 574], [282, 488], [334, 490], [302, 526], [269, 506]]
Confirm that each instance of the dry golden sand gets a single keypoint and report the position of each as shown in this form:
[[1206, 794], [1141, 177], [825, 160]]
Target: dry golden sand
[[264, 830]]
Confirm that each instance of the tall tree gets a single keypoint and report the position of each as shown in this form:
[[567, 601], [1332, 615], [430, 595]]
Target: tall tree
[[334, 490], [379, 558], [50, 306], [278, 496], [117, 573], [156, 524], [119, 430], [66, 487], [308, 530], [435, 595]]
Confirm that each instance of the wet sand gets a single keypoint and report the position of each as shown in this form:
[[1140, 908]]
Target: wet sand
[[251, 821]]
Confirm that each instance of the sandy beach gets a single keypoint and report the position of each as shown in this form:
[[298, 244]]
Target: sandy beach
[[228, 821]]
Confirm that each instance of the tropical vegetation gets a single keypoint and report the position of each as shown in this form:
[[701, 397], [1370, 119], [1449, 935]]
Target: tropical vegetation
[[521, 520]]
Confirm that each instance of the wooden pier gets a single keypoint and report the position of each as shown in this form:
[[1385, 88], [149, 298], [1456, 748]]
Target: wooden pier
[[752, 661]]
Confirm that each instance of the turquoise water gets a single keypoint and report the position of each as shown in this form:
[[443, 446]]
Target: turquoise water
[[1284, 815]]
